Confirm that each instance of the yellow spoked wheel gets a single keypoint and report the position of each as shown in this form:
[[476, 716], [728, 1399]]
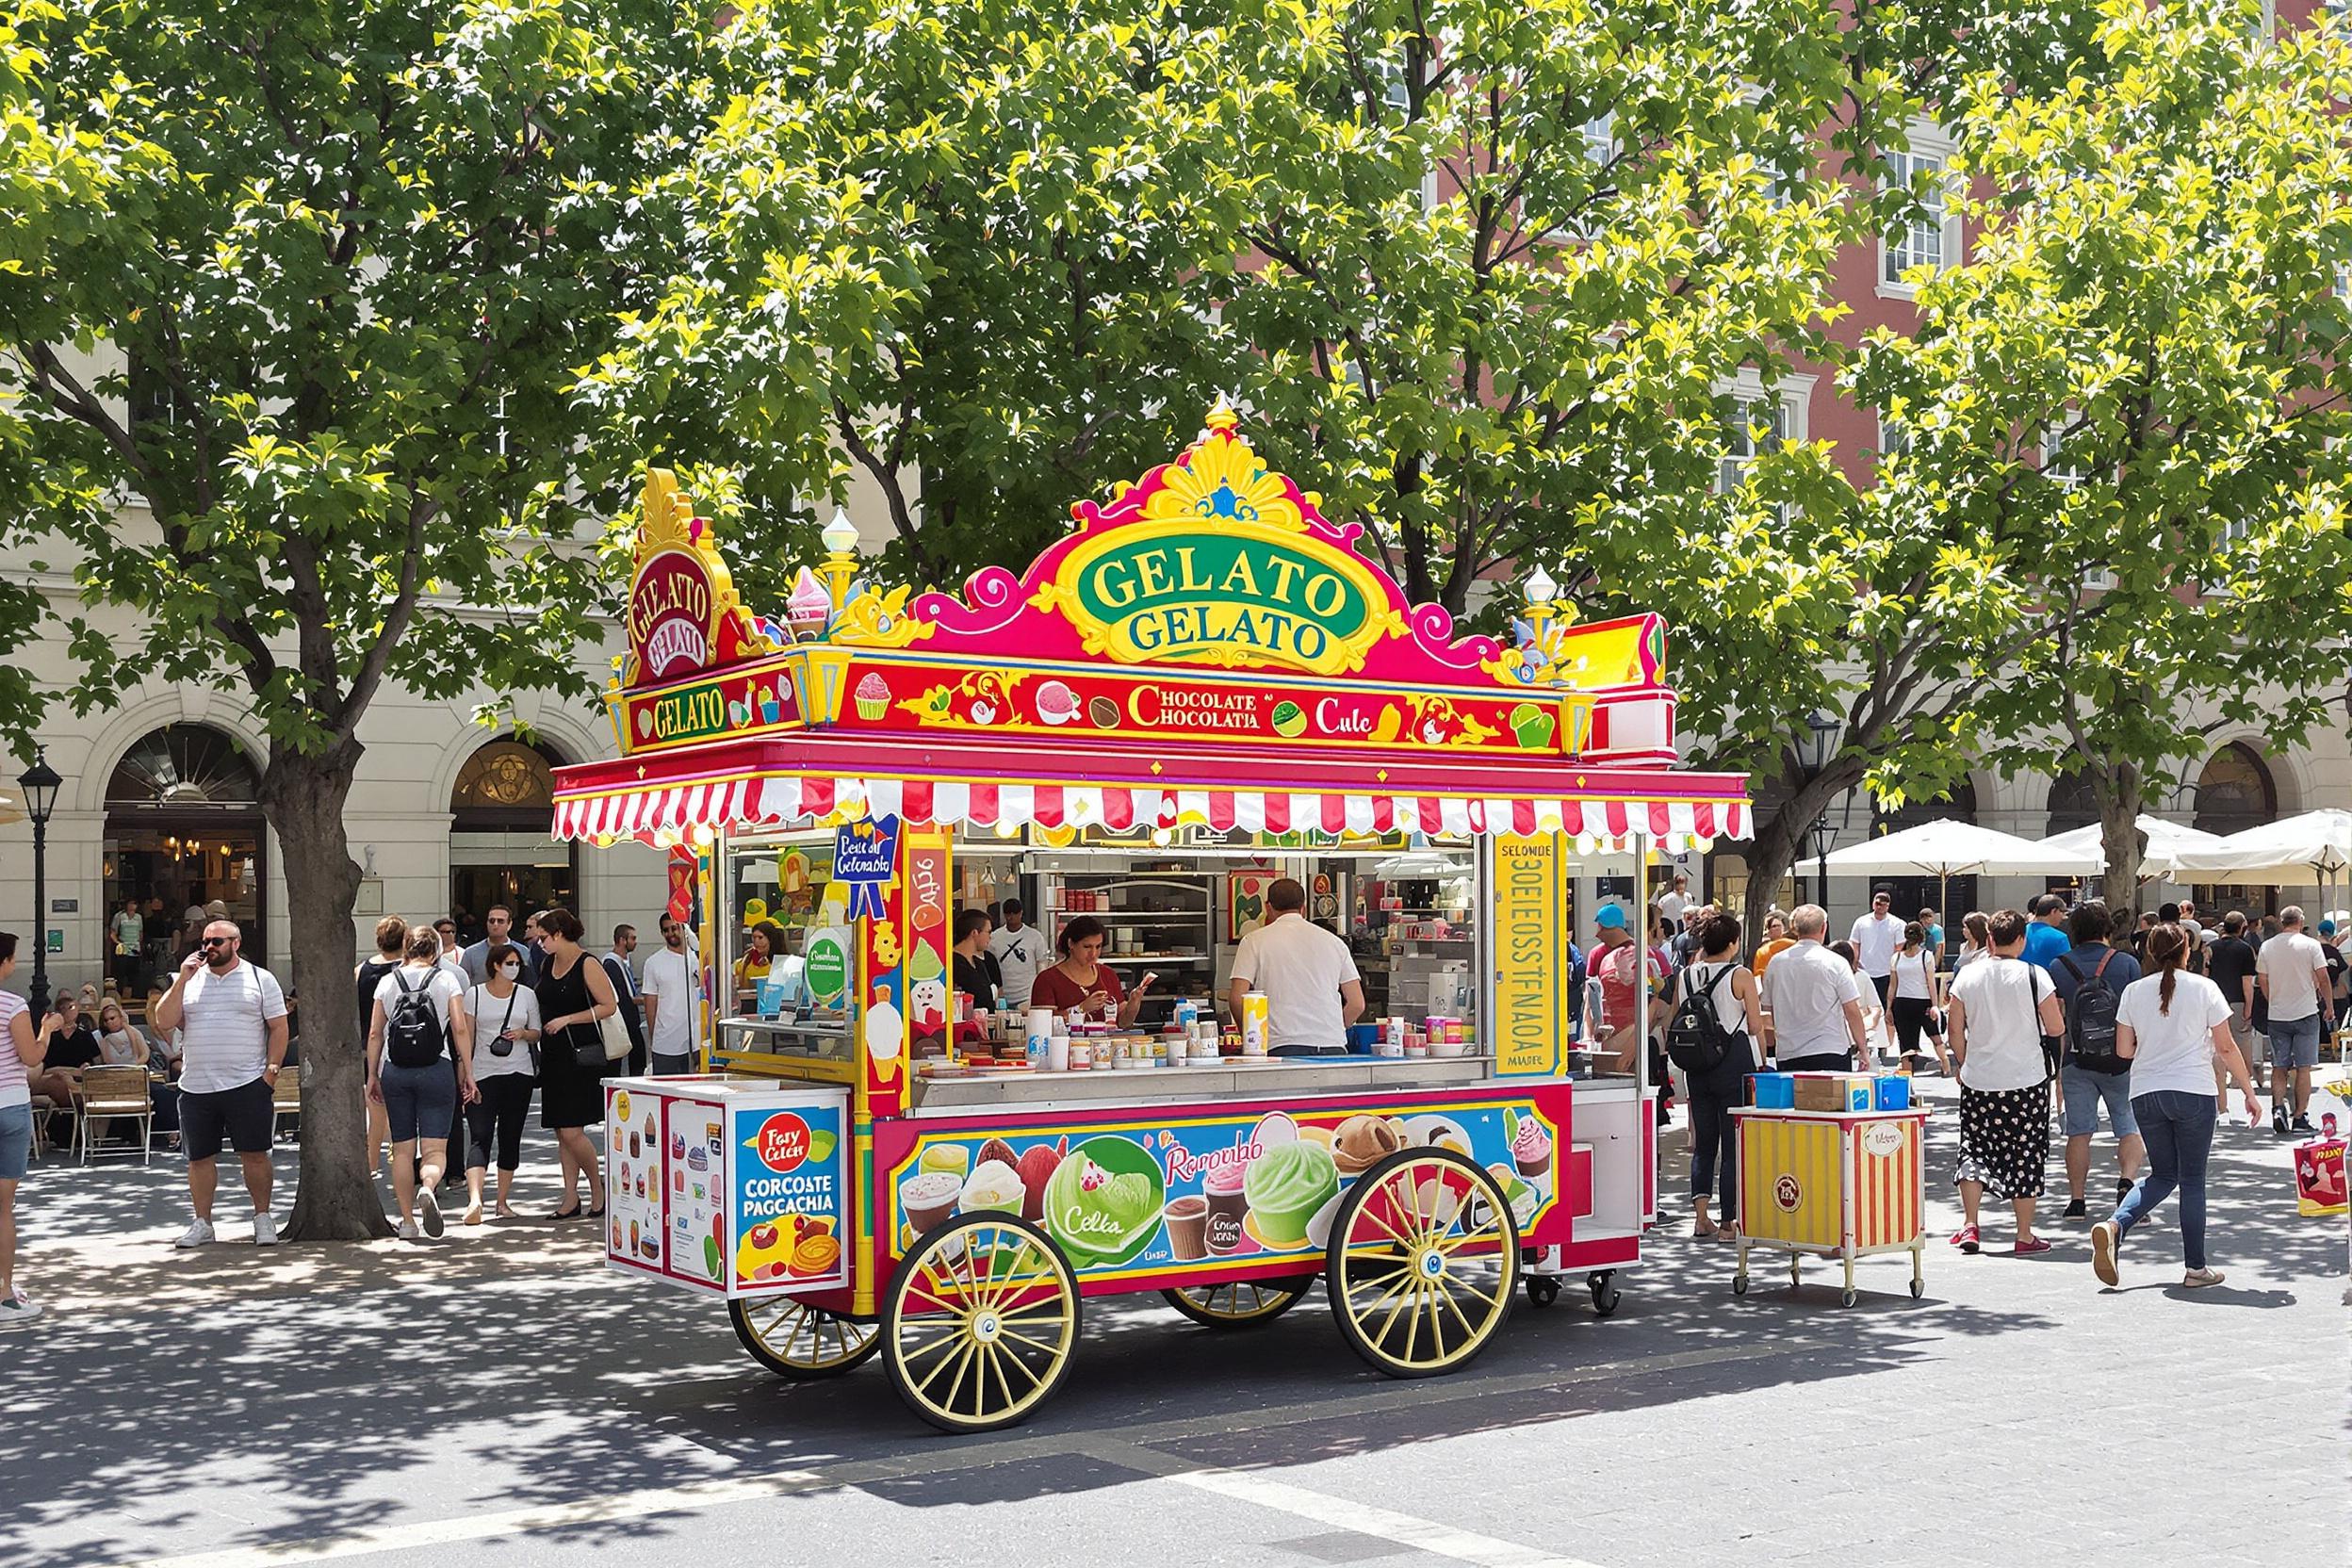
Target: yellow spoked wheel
[[799, 1341], [1239, 1303], [1424, 1263], [979, 1323]]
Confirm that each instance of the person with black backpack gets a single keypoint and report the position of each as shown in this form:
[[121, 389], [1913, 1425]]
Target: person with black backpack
[[420, 1068], [1718, 1016], [2090, 977]]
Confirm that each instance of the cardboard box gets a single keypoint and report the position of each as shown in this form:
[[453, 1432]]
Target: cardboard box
[[1833, 1091]]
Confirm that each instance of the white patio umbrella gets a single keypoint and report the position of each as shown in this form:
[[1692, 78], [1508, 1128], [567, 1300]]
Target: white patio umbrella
[[1947, 849], [2166, 842], [2314, 850]]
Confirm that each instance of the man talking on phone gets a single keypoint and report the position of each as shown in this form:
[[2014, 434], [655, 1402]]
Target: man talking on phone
[[230, 1016]]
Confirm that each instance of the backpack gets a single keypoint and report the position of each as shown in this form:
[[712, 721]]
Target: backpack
[[2091, 1019], [412, 1033], [1696, 1040]]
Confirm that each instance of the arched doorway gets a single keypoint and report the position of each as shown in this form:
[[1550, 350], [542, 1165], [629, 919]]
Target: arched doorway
[[1914, 894], [183, 829], [2235, 792], [2071, 804], [501, 813]]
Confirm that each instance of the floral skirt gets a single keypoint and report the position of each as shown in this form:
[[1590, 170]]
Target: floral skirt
[[2004, 1138]]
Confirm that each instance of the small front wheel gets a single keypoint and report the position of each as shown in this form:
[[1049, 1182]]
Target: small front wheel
[[1739, 1284], [979, 1322], [1604, 1293], [1919, 1288], [1848, 1299], [1542, 1290], [801, 1341], [1239, 1303]]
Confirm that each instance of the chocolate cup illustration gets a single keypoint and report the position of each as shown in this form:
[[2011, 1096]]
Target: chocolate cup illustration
[[1226, 1207], [1188, 1226]]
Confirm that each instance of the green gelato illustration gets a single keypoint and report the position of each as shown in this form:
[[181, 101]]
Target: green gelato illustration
[[1102, 1203], [1290, 720], [925, 964], [1285, 1185], [1532, 726]]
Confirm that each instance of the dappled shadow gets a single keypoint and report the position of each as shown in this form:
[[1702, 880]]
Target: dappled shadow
[[331, 1388]]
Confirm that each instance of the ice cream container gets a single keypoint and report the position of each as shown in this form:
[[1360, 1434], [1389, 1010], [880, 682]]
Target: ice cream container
[[1774, 1092], [1057, 1053], [1253, 1024], [1187, 1219], [1221, 1193], [1081, 1055], [1417, 1052], [1389, 1046], [930, 1198], [1892, 1093]]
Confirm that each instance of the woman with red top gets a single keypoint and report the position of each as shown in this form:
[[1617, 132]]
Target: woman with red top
[[1081, 981]]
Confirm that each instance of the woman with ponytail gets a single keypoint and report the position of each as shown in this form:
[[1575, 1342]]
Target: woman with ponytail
[[2172, 1027]]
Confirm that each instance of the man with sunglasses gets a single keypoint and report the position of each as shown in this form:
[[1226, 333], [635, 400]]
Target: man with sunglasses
[[230, 1016]]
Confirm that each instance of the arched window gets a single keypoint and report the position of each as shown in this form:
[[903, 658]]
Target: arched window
[[184, 831], [2235, 792], [184, 767], [2071, 804], [504, 784], [1958, 803]]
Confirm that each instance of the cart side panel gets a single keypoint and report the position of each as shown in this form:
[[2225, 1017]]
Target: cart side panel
[[1889, 1180], [1170, 1195], [1792, 1187]]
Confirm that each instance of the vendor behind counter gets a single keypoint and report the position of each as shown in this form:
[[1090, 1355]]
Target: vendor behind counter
[[1081, 981], [1312, 988]]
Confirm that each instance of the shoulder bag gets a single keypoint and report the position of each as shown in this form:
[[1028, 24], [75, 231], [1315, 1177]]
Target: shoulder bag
[[612, 1041]]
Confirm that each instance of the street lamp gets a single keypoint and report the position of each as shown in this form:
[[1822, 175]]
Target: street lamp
[[40, 784], [1820, 744]]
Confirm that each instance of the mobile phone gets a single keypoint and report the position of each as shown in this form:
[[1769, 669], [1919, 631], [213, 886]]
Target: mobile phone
[[1150, 976]]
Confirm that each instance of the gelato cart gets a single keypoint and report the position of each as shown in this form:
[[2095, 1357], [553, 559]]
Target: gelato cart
[[1202, 686], [1836, 1184]]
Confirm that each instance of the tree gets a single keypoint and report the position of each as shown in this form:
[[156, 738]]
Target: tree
[[949, 252], [349, 256], [2131, 398]]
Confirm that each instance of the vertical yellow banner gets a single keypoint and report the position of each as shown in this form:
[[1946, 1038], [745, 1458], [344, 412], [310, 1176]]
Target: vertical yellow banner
[[1530, 956]]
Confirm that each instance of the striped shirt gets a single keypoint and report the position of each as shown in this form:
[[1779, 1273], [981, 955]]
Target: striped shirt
[[15, 1087], [224, 1026]]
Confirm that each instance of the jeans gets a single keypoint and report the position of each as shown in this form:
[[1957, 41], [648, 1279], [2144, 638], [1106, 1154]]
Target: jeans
[[1715, 1146], [2178, 1129]]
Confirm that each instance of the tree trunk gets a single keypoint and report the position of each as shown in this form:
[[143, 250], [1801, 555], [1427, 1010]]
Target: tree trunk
[[2118, 790], [1780, 840], [304, 797]]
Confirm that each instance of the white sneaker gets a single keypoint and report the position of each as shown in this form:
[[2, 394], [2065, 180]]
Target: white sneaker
[[265, 1229], [407, 1231], [432, 1205], [2200, 1279], [199, 1234], [19, 1308]]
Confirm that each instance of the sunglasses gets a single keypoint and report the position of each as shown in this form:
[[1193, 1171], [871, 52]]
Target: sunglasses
[[218, 941]]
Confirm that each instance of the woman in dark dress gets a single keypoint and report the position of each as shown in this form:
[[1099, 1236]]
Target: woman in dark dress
[[574, 993]]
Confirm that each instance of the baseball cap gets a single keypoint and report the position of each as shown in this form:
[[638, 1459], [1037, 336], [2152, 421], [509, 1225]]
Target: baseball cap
[[1611, 916], [2327, 929]]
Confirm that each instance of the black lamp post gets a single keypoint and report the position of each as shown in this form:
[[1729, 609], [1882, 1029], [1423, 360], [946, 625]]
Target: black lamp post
[[40, 783], [1820, 744]]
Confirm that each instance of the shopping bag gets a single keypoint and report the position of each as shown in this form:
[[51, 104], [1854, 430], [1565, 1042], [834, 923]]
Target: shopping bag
[[2319, 1174]]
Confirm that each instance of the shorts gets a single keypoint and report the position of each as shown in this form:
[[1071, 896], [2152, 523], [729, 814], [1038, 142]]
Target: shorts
[[418, 1101], [666, 1065], [2242, 1029], [244, 1113], [2086, 1092], [2295, 1042], [16, 1142]]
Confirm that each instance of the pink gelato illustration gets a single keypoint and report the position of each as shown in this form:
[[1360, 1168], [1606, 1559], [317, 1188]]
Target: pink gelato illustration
[[1532, 1148], [1056, 702], [809, 608]]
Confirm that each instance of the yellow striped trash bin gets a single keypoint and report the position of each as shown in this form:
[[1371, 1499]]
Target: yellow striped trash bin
[[1837, 1184]]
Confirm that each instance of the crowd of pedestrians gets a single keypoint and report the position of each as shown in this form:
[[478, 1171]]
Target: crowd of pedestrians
[[2053, 1016]]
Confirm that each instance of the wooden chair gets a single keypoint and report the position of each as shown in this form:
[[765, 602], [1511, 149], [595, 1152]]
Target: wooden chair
[[286, 1101], [110, 1093]]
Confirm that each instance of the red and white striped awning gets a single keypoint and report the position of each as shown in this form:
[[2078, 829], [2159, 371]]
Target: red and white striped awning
[[679, 808], [604, 800]]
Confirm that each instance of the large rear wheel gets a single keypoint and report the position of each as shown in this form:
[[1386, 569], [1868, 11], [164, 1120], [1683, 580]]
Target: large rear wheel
[[1424, 1262], [979, 1323]]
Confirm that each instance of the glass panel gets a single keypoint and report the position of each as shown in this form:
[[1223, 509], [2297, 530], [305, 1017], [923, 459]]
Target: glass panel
[[504, 776], [2235, 792], [184, 765]]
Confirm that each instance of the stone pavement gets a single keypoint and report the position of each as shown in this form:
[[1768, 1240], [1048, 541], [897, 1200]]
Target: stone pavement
[[501, 1396]]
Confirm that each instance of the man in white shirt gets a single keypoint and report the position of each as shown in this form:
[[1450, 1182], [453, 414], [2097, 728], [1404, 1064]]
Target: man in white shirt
[[231, 1017], [1876, 936], [1313, 991], [668, 999], [1812, 1006], [2291, 973], [1019, 950], [1673, 903]]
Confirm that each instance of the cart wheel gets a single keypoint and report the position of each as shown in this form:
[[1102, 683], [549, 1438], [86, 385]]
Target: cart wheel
[[1424, 1263], [1604, 1294], [1739, 1284], [1848, 1299], [1542, 1289], [1919, 1288], [1239, 1303], [801, 1341], [979, 1322]]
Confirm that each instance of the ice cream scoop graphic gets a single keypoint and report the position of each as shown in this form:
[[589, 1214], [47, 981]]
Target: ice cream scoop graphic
[[1285, 1187], [1102, 1203], [994, 1185], [1056, 702]]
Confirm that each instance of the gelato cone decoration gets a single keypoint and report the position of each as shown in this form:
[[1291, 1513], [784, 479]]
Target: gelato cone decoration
[[809, 608], [873, 697], [1532, 1148], [1364, 1141]]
